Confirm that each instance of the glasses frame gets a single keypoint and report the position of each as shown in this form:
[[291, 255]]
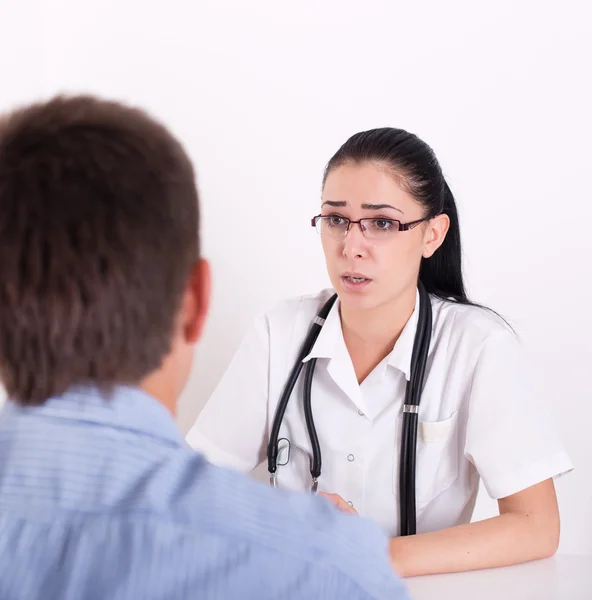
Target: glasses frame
[[363, 228]]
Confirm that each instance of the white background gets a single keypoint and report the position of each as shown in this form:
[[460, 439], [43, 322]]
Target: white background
[[263, 93]]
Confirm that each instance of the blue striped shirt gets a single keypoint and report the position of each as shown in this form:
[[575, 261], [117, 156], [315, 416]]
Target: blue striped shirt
[[101, 498]]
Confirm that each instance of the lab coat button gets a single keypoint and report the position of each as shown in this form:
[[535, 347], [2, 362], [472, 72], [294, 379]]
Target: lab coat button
[[350, 457]]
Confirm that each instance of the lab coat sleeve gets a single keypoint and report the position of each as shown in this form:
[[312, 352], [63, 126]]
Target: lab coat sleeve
[[231, 429], [511, 438]]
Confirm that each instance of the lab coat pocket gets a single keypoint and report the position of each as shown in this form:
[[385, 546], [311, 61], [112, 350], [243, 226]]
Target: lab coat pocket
[[437, 458]]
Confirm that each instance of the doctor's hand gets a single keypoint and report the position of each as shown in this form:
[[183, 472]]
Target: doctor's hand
[[340, 503]]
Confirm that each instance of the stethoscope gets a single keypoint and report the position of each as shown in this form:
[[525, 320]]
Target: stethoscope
[[407, 459]]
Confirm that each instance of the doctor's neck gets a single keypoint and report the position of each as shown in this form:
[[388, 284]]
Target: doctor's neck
[[380, 326]]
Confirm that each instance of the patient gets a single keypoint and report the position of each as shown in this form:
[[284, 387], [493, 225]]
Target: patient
[[103, 295]]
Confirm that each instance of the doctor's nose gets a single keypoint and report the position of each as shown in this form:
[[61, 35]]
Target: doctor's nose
[[354, 243]]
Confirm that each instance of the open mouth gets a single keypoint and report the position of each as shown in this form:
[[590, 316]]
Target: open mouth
[[355, 281]]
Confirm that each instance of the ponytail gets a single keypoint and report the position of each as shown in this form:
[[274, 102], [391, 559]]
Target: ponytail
[[441, 274]]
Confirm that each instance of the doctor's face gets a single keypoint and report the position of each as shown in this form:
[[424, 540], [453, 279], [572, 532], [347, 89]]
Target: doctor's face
[[375, 267]]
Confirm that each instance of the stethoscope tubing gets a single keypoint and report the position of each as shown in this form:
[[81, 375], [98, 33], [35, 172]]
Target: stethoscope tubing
[[409, 432]]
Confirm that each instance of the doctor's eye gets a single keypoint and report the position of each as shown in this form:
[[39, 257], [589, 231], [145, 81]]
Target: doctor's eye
[[381, 225], [335, 222]]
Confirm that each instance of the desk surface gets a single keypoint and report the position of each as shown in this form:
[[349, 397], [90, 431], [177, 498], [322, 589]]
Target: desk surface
[[558, 578]]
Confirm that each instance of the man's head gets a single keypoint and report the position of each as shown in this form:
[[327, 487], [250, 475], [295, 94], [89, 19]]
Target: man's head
[[101, 281]]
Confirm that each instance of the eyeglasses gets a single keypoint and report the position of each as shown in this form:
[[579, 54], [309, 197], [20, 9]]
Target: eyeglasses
[[372, 228]]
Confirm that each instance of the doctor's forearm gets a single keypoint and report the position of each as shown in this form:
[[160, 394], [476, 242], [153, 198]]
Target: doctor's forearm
[[500, 541]]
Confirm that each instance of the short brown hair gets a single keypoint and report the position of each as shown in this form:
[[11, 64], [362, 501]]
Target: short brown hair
[[99, 230]]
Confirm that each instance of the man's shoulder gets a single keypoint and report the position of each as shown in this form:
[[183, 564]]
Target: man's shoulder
[[298, 529], [210, 528]]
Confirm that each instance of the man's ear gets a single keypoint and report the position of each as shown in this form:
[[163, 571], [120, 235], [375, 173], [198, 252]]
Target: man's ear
[[197, 301], [435, 233]]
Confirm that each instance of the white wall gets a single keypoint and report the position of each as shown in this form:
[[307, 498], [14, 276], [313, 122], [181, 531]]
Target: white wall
[[264, 92]]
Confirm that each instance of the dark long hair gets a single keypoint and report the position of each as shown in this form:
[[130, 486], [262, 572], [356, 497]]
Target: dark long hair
[[415, 163]]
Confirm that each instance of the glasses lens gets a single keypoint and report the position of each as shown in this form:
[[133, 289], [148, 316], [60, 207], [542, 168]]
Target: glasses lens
[[380, 228], [332, 225]]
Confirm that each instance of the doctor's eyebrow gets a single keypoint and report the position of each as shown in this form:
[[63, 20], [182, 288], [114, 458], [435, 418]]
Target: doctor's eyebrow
[[339, 204]]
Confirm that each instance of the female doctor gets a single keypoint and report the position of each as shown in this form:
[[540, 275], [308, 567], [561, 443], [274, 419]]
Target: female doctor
[[388, 221]]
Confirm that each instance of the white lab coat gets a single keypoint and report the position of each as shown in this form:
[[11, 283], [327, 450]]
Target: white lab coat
[[479, 417]]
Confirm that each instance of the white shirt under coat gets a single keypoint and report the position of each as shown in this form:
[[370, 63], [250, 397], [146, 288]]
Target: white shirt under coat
[[479, 417]]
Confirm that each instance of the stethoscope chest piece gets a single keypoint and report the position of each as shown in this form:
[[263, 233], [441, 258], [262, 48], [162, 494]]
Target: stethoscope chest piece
[[283, 458]]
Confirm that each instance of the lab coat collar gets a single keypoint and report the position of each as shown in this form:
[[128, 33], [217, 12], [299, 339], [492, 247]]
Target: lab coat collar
[[400, 356], [330, 343]]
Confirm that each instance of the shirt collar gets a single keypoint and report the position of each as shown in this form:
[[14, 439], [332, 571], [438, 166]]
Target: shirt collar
[[125, 407], [400, 356], [330, 343]]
